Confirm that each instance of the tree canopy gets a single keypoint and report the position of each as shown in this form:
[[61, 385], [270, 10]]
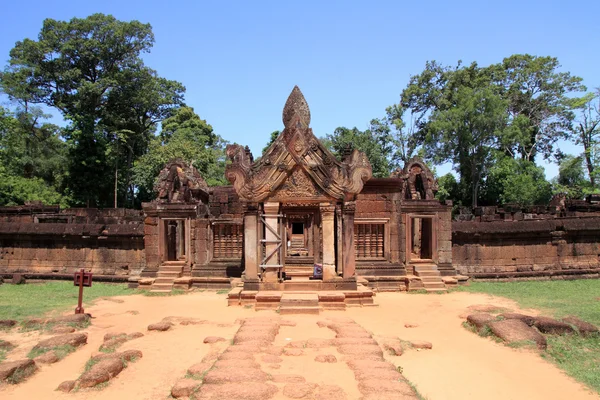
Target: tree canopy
[[91, 71]]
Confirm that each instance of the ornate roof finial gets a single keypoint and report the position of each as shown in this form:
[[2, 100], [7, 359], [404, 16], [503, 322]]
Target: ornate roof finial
[[296, 105]]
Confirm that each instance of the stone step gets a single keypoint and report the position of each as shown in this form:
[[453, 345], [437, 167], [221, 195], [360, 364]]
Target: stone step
[[164, 280], [168, 274], [173, 268], [431, 267], [434, 285], [303, 285], [171, 263], [287, 310], [299, 300], [435, 273]]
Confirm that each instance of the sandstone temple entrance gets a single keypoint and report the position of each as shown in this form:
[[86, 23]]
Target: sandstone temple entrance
[[298, 227]]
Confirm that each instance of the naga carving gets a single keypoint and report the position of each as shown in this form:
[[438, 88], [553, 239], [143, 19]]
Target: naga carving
[[418, 180], [296, 147], [179, 182]]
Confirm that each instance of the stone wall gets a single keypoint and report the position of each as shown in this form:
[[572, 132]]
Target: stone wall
[[46, 249], [380, 201], [543, 248]]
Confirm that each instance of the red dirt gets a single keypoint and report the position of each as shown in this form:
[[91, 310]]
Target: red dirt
[[461, 364]]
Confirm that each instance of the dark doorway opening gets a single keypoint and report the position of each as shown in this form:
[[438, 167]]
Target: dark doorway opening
[[421, 238], [175, 245]]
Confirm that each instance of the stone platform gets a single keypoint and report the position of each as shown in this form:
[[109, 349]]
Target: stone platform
[[301, 302]]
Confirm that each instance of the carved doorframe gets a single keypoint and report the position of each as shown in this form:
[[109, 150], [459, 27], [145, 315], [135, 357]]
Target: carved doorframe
[[409, 238]]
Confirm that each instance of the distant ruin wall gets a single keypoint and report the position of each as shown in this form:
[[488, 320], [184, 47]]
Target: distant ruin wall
[[46, 242], [548, 248]]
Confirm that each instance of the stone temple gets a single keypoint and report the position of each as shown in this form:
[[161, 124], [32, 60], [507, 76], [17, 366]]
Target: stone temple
[[298, 220], [302, 228]]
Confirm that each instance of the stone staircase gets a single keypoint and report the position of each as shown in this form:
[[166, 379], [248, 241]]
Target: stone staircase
[[430, 276], [299, 303], [165, 278], [299, 270]]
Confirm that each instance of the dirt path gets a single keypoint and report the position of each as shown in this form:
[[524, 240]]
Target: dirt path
[[461, 365]]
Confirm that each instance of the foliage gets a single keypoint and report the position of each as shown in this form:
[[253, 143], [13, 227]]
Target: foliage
[[34, 300], [520, 107], [571, 178], [540, 111], [32, 158], [402, 136], [517, 181], [586, 132], [274, 136], [91, 71], [184, 135], [375, 144], [578, 356], [448, 188]]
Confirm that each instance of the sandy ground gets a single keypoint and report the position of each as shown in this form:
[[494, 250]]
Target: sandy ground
[[461, 365]]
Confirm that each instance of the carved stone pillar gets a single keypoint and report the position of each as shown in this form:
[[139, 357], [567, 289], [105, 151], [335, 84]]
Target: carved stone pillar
[[349, 256], [251, 242], [327, 218], [271, 220]]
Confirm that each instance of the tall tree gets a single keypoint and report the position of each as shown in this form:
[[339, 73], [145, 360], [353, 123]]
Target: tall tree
[[460, 116], [586, 132], [91, 71], [399, 128], [539, 107]]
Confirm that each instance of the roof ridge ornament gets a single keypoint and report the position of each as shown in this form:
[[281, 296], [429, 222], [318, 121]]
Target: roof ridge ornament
[[296, 110]]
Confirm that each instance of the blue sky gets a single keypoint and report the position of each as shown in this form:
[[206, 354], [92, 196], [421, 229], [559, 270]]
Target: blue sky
[[240, 59]]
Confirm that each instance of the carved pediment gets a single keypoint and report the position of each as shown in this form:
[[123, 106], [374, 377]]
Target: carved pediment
[[296, 149], [179, 182], [419, 183]]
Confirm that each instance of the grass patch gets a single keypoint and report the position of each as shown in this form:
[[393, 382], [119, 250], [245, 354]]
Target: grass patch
[[414, 387], [89, 364], [418, 291], [557, 298], [223, 291], [523, 344], [5, 347], [578, 356], [21, 374], [32, 300], [60, 351]]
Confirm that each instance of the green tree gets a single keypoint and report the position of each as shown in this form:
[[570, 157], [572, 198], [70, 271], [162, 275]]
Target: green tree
[[274, 136], [586, 132], [571, 177], [184, 135], [401, 136], [448, 188], [377, 145], [91, 71], [540, 110], [515, 181], [31, 159]]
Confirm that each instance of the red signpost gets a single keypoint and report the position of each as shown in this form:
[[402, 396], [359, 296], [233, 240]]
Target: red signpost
[[82, 279]]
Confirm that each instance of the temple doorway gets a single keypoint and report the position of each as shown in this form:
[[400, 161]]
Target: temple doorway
[[420, 237], [300, 237], [174, 241]]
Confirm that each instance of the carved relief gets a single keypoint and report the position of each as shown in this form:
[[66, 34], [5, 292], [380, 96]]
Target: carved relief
[[179, 182], [298, 185], [418, 180], [295, 147]]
